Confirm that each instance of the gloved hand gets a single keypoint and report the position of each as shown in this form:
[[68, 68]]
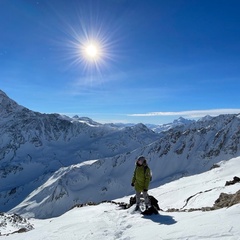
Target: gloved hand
[[132, 184], [145, 190]]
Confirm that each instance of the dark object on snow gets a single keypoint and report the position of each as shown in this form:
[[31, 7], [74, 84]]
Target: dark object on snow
[[153, 201], [215, 165], [132, 201], [227, 200], [150, 211], [235, 180]]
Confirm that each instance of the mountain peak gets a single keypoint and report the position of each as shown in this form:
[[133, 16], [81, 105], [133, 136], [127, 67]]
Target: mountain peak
[[7, 105], [2, 95], [86, 120], [182, 121], [205, 118]]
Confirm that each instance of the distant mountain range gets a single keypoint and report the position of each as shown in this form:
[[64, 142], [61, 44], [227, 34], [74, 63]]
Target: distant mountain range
[[49, 162]]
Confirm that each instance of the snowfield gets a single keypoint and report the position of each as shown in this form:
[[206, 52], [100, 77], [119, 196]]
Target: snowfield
[[108, 221]]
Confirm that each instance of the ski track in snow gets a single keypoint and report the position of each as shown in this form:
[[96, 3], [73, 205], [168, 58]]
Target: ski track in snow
[[112, 223]]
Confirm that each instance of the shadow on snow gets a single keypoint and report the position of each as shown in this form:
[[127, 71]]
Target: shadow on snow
[[161, 219]]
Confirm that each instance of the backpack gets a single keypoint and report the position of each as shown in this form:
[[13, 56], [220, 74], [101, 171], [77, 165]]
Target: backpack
[[145, 169]]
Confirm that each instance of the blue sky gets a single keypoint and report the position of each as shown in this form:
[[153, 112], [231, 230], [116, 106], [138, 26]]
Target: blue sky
[[160, 59]]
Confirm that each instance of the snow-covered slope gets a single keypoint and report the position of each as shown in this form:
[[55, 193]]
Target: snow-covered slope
[[48, 160], [107, 221], [34, 145], [175, 155]]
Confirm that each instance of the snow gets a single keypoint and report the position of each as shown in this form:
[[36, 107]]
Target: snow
[[51, 162], [107, 221]]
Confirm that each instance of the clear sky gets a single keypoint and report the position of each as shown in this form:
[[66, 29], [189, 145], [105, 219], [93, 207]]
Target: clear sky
[[156, 59]]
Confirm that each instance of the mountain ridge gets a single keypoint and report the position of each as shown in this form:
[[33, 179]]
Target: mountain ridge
[[61, 161], [36, 145]]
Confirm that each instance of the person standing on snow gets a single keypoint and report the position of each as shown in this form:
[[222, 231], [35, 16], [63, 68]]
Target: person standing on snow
[[140, 181]]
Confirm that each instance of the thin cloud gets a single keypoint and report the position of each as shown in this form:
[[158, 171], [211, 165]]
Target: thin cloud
[[189, 114]]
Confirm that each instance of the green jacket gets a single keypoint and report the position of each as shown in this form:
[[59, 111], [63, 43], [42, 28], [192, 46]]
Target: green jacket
[[141, 178]]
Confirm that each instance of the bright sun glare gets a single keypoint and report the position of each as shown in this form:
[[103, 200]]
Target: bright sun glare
[[91, 42], [92, 51]]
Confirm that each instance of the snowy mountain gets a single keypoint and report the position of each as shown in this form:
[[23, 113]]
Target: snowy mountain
[[174, 155], [186, 195], [33, 146], [180, 122], [49, 162]]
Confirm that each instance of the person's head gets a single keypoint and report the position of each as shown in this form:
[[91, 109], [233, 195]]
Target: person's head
[[141, 161]]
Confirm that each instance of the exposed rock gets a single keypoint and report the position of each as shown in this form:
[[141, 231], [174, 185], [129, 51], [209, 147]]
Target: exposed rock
[[224, 200], [13, 223], [215, 166], [235, 180], [227, 200]]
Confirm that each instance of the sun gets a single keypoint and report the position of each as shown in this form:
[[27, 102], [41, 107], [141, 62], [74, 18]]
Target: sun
[[92, 51], [91, 42], [91, 48]]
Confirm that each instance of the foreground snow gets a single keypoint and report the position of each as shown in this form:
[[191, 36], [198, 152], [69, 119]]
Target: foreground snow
[[106, 221]]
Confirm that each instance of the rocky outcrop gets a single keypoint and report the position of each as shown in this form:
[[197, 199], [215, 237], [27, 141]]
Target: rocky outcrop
[[227, 200], [235, 180], [224, 200], [13, 223]]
